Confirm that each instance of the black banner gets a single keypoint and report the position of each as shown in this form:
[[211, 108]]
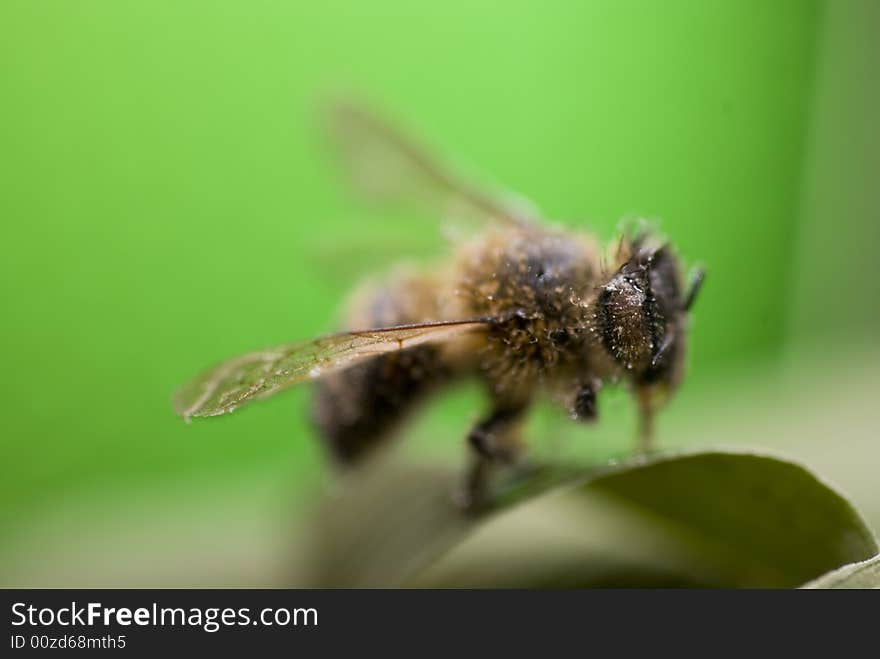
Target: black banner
[[325, 621]]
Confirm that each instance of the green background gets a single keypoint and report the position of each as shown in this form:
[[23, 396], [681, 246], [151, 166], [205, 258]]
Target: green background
[[167, 202]]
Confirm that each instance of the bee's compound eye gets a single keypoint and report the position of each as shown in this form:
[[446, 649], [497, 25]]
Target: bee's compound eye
[[623, 321], [585, 404]]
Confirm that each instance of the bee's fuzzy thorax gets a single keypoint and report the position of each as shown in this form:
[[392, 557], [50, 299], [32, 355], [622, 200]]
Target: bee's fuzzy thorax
[[539, 284]]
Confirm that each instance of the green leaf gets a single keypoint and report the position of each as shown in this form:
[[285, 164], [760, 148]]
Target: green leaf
[[389, 521], [721, 518], [865, 574]]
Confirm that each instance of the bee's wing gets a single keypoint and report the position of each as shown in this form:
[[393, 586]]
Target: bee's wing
[[387, 165], [260, 374]]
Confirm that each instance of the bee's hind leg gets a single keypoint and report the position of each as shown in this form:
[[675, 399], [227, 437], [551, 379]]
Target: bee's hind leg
[[491, 442]]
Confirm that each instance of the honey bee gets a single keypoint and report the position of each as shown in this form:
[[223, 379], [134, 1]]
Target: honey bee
[[527, 308]]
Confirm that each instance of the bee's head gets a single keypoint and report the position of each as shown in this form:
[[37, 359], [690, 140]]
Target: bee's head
[[640, 313]]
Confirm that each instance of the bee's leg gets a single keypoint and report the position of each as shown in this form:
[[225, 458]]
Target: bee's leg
[[583, 407], [645, 440], [491, 442]]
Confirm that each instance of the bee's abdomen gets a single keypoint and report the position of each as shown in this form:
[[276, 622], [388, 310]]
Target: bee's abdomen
[[356, 409]]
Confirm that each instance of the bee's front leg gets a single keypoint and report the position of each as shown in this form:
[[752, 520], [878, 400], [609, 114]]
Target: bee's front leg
[[646, 405], [491, 441]]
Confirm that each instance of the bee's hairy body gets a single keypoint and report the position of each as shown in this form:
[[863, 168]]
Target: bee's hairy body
[[544, 286], [526, 308]]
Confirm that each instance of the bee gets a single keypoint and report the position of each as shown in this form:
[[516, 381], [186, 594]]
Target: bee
[[527, 308]]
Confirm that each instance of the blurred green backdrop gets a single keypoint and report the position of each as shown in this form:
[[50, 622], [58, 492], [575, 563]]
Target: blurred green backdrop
[[167, 202]]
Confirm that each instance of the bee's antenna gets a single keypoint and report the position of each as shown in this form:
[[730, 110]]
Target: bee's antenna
[[696, 283], [662, 348]]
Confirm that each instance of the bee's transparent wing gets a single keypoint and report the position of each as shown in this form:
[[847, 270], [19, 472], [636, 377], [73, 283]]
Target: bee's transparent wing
[[260, 374], [386, 165]]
